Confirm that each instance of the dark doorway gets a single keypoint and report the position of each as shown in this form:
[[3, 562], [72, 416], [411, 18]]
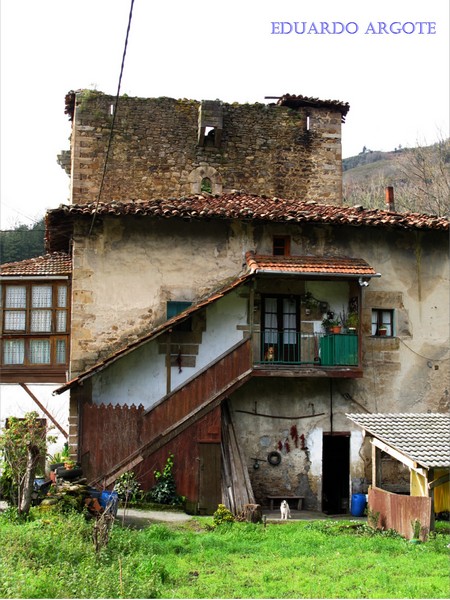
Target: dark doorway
[[210, 494], [336, 473]]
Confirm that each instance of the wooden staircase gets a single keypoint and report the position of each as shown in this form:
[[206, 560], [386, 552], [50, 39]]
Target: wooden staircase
[[184, 406]]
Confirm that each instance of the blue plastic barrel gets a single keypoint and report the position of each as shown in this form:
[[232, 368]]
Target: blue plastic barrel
[[110, 499], [358, 505]]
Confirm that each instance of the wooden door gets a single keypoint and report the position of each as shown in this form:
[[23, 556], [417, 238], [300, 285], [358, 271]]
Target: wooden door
[[210, 495]]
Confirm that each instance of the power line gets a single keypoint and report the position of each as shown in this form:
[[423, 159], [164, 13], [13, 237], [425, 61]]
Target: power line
[[113, 119]]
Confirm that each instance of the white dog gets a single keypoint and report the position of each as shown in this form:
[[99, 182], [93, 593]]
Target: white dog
[[285, 510]]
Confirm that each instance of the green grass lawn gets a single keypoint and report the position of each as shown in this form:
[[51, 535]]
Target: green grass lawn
[[54, 557]]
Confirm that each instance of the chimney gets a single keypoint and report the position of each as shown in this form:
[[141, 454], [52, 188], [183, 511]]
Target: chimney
[[389, 198]]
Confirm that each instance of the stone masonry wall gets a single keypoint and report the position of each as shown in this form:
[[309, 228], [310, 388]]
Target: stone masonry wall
[[159, 150]]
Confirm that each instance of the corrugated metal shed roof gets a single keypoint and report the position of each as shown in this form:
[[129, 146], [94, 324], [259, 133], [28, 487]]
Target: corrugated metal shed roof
[[423, 437]]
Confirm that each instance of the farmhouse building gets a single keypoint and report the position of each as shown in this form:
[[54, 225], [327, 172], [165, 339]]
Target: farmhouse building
[[35, 332], [212, 258]]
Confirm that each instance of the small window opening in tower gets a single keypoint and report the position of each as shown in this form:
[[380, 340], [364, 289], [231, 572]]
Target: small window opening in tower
[[308, 123], [210, 136], [206, 185], [111, 109]]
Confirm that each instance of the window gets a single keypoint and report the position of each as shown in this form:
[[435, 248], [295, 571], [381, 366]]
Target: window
[[206, 185], [382, 322], [281, 245], [280, 334], [34, 324], [174, 308]]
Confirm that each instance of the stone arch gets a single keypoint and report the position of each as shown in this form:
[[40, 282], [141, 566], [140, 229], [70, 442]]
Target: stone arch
[[197, 175]]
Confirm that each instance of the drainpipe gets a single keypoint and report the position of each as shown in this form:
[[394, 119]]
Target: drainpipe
[[389, 198]]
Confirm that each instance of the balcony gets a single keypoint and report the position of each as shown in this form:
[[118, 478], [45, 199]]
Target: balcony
[[312, 354]]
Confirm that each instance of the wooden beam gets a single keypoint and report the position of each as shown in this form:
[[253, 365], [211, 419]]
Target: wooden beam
[[256, 414], [439, 481], [168, 365], [399, 456], [376, 467], [44, 410]]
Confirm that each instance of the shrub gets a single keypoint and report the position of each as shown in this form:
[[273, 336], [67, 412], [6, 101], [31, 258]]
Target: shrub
[[165, 491], [128, 487], [222, 515]]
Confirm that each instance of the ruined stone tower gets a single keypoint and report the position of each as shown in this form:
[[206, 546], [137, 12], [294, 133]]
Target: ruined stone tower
[[161, 147]]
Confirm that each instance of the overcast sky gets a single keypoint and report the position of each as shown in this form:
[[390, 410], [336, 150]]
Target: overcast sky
[[397, 84]]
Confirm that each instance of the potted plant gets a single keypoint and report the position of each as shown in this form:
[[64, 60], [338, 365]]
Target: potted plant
[[335, 326], [382, 330], [352, 322], [69, 464], [331, 323]]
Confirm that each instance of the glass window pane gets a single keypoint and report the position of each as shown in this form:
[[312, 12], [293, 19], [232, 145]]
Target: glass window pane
[[289, 321], [387, 321], [62, 296], [41, 321], [61, 318], [270, 321], [374, 322], [16, 296], [13, 352], [61, 352], [39, 352], [15, 320], [41, 296]]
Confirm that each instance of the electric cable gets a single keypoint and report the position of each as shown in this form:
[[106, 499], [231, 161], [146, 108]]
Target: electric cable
[[113, 118]]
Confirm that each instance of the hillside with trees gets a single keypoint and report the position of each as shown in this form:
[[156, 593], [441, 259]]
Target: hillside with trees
[[22, 242], [420, 177]]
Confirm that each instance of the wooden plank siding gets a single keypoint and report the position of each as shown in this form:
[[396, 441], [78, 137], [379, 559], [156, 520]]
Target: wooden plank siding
[[397, 511], [142, 440]]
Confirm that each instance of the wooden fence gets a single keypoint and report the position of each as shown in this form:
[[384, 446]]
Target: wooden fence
[[398, 512]]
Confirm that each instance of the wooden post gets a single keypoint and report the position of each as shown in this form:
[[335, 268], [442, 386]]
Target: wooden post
[[44, 410], [251, 319], [376, 466], [431, 494], [168, 365]]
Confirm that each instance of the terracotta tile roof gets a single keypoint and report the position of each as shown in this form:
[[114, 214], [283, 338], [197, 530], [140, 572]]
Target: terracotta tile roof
[[423, 437], [57, 263], [310, 265], [294, 101], [245, 207]]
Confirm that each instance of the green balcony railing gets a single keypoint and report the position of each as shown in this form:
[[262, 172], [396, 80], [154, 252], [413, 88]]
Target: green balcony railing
[[297, 348]]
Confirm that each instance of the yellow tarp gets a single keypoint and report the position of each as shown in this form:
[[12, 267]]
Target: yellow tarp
[[419, 487], [441, 493]]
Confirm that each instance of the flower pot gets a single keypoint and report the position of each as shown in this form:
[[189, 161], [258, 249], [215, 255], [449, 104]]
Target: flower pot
[[335, 329], [382, 331]]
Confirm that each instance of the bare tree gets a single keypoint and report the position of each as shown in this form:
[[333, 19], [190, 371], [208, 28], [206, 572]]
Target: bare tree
[[420, 176], [426, 170]]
